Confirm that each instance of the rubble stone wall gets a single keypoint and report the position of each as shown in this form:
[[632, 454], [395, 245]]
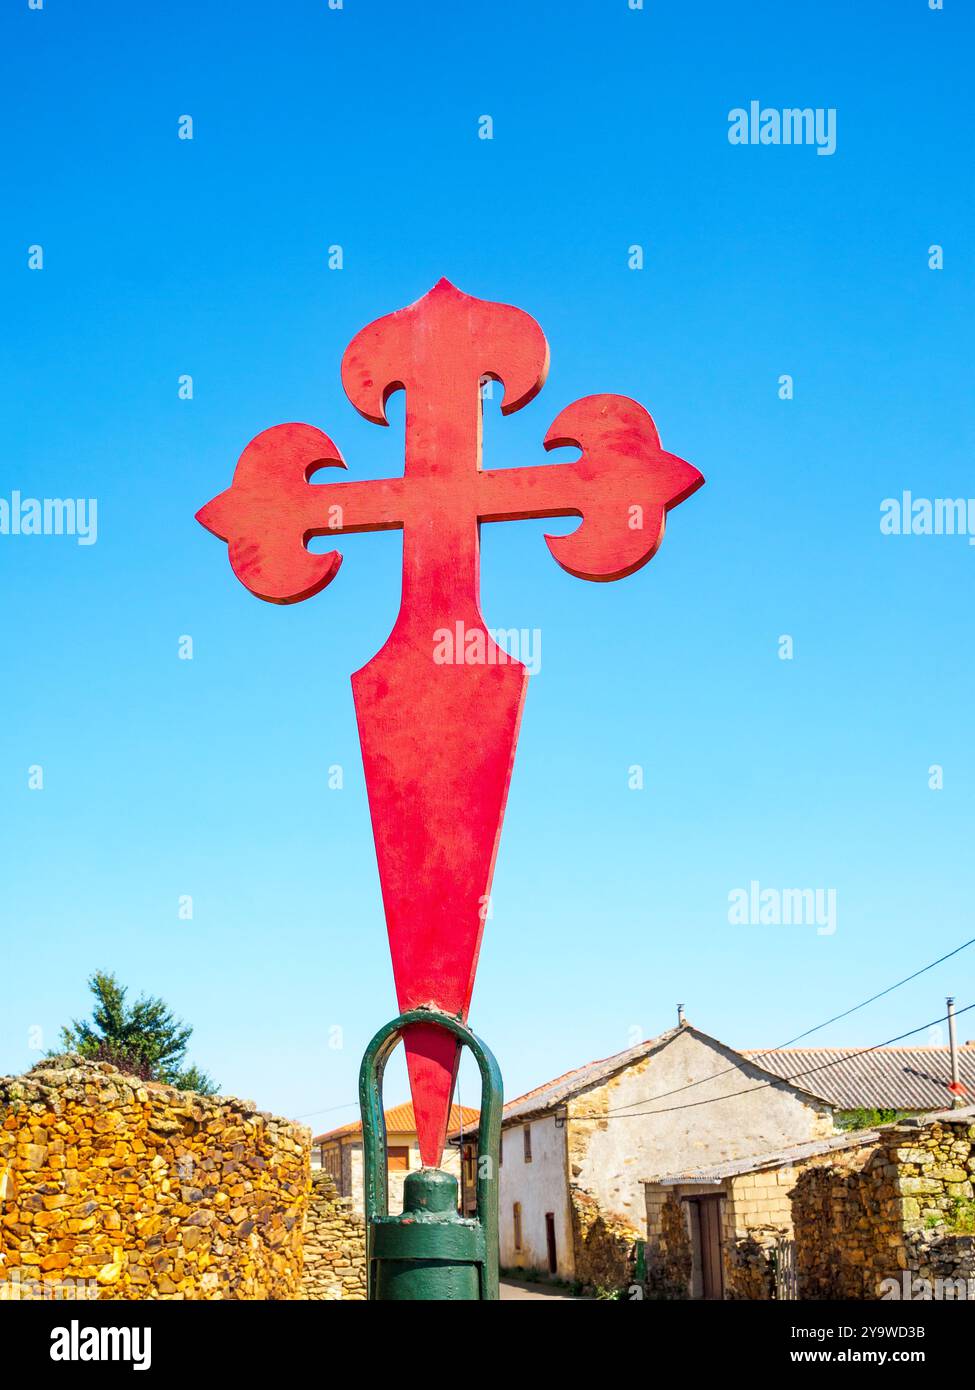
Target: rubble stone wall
[[604, 1245], [335, 1244], [668, 1255], [892, 1218], [117, 1188], [905, 1203], [757, 1218]]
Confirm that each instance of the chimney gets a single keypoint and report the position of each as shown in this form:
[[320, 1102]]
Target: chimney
[[956, 1088], [681, 1020]]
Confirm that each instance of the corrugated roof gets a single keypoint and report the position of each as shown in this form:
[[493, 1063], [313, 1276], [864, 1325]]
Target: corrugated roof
[[887, 1078], [400, 1119], [882, 1078]]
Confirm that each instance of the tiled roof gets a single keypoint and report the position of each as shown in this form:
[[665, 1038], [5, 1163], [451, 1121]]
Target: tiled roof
[[401, 1120], [882, 1078]]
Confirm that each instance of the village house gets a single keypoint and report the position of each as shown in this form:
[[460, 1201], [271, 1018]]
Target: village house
[[706, 1223], [881, 1213], [575, 1150], [339, 1152]]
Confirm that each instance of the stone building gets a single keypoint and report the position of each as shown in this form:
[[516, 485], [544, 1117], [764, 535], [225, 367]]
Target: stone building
[[340, 1152], [574, 1151], [874, 1213]]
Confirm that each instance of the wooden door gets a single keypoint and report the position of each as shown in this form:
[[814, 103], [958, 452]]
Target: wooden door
[[553, 1254], [709, 1230]]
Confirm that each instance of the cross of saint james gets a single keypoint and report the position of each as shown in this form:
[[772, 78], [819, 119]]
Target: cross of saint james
[[438, 737]]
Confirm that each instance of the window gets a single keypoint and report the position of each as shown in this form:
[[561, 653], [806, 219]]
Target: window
[[527, 1132], [516, 1217], [332, 1161], [399, 1158]]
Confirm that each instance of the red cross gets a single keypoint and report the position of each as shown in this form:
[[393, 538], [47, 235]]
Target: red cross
[[438, 737]]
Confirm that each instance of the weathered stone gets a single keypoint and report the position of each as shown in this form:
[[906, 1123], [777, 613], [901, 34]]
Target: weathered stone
[[339, 1239], [98, 1171], [910, 1184]]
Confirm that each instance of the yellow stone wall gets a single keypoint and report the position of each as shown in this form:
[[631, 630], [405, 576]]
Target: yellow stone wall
[[116, 1188]]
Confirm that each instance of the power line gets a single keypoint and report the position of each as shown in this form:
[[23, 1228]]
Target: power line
[[308, 1114], [809, 1031], [873, 998], [327, 1111], [763, 1085]]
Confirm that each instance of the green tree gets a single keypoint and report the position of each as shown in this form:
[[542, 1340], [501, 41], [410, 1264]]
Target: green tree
[[142, 1038], [865, 1117]]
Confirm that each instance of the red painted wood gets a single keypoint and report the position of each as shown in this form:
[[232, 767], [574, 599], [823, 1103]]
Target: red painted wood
[[438, 737]]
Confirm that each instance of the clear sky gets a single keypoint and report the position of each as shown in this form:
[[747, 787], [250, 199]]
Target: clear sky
[[358, 127]]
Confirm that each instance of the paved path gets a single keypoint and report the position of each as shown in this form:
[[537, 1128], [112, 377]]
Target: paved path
[[515, 1289]]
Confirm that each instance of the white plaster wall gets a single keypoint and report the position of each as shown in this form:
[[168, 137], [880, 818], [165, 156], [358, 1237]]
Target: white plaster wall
[[540, 1187], [731, 1114]]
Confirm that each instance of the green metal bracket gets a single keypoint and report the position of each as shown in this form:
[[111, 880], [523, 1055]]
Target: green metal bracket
[[429, 1252]]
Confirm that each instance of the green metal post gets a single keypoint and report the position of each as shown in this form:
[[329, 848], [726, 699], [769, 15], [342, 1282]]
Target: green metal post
[[429, 1251]]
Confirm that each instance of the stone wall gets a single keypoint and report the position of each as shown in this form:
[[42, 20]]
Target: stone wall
[[940, 1261], [604, 1244], [669, 1256], [335, 1244], [836, 1225], [749, 1268], [894, 1211], [116, 1188], [757, 1216], [903, 1203]]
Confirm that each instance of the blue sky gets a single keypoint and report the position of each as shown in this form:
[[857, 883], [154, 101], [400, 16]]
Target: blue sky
[[359, 127]]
